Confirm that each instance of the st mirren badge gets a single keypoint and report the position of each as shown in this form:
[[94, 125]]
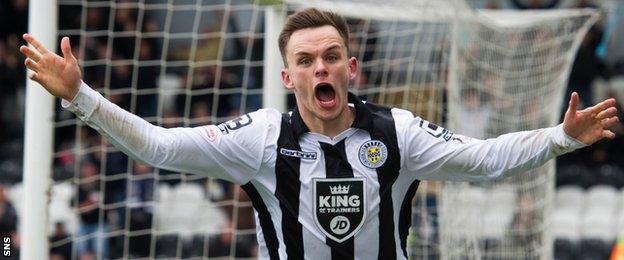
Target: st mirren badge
[[373, 154], [339, 206]]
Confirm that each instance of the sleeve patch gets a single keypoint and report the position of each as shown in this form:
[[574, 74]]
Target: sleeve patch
[[212, 132], [437, 131], [235, 124]]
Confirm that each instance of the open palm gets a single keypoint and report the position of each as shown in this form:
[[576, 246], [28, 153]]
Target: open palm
[[58, 75], [591, 124]]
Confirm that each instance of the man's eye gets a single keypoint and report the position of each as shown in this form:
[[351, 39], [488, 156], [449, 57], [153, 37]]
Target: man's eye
[[331, 58], [304, 61]]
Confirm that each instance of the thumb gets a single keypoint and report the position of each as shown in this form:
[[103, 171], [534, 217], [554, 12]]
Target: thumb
[[66, 48], [574, 102]]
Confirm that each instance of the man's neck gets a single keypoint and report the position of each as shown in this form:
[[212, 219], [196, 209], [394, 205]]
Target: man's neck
[[330, 128]]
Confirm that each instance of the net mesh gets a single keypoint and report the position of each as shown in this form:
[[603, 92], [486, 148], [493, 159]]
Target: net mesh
[[194, 62], [174, 63], [510, 75]]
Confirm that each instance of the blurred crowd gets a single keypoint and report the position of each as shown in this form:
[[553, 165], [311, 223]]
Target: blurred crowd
[[13, 22], [114, 196]]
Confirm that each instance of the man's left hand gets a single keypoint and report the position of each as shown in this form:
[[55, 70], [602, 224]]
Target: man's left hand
[[591, 124]]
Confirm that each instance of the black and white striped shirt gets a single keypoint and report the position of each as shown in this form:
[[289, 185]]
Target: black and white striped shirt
[[315, 197]]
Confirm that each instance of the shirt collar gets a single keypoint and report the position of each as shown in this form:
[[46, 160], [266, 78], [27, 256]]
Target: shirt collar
[[363, 117]]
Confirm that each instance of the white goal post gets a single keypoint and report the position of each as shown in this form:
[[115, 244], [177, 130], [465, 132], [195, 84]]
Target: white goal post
[[191, 62], [38, 138]]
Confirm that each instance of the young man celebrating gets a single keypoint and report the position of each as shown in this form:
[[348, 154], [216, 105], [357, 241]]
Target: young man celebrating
[[334, 178]]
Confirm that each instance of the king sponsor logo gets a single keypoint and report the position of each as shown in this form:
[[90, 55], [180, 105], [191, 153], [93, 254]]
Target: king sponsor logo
[[339, 206]]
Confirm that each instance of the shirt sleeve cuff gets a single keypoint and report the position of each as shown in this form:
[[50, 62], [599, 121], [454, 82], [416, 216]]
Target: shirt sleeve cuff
[[564, 142], [84, 103]]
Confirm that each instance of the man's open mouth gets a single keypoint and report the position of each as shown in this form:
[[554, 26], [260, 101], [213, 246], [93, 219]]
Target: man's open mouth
[[325, 94]]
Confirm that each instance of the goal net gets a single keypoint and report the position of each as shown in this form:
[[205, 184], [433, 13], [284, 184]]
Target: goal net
[[194, 62], [509, 73]]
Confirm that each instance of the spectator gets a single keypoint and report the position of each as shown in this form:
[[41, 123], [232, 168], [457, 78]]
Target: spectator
[[90, 242], [141, 210], [142, 186], [221, 244], [147, 105], [60, 243], [8, 221], [8, 215], [200, 113], [523, 228]]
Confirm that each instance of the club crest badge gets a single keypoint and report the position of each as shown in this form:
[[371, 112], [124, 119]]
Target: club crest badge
[[373, 154], [339, 206]]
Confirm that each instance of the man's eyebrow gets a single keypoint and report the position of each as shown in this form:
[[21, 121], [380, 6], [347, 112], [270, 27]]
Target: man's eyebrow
[[302, 53], [305, 53], [333, 47]]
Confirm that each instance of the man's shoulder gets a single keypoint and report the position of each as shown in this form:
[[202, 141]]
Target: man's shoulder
[[260, 118], [386, 111], [268, 114]]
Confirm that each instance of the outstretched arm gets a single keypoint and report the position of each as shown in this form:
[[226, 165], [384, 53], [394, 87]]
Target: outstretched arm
[[202, 150], [459, 158]]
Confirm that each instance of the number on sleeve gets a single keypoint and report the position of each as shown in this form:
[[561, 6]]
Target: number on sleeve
[[235, 124]]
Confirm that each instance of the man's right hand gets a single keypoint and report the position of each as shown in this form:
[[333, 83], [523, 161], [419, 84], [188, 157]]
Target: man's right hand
[[58, 75]]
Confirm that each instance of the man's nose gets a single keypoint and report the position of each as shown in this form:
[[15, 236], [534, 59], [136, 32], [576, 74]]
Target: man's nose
[[321, 69]]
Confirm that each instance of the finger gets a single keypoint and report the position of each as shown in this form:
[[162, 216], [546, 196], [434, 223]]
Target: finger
[[32, 65], [610, 122], [601, 106], [35, 43], [574, 101], [34, 76], [608, 134], [66, 48], [30, 53], [609, 112]]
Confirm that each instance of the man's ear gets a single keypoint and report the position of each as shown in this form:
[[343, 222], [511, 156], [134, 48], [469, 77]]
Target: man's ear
[[286, 79], [353, 67]]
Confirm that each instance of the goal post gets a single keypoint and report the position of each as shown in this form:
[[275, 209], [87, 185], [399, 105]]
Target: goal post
[[38, 141], [274, 93]]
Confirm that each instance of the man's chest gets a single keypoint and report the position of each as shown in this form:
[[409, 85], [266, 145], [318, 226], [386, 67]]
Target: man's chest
[[338, 181]]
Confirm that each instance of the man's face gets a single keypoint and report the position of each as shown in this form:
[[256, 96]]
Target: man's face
[[319, 72]]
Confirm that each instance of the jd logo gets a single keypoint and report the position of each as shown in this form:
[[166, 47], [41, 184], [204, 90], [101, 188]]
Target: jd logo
[[340, 225], [339, 206]]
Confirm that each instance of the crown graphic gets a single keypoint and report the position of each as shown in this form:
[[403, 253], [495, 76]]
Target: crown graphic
[[339, 189]]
